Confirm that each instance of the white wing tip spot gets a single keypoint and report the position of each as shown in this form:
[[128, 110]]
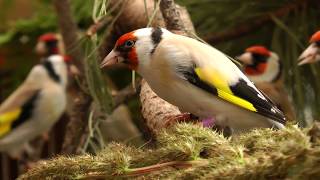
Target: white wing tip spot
[[261, 96]]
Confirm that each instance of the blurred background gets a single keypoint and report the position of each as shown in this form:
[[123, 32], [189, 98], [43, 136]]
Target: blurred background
[[283, 26]]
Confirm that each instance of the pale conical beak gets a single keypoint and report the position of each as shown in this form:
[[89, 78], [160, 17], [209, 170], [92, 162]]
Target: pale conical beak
[[245, 58], [40, 48], [111, 59], [309, 55]]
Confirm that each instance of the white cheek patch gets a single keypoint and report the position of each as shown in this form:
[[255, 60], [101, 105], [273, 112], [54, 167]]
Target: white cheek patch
[[262, 97], [143, 49]]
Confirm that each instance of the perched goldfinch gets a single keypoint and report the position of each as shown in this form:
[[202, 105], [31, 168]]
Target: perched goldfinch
[[197, 78], [35, 106], [264, 68], [312, 53]]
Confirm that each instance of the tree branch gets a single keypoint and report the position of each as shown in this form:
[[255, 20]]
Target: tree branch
[[80, 100], [154, 109], [171, 15], [125, 94], [68, 30], [94, 28]]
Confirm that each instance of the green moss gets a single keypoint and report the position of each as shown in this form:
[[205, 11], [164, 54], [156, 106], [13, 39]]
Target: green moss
[[188, 151]]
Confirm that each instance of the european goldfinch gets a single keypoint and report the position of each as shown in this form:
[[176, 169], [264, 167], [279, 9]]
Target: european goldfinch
[[264, 68], [312, 53], [35, 106], [197, 78]]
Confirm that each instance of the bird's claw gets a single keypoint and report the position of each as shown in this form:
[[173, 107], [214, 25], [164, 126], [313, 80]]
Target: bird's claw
[[184, 117]]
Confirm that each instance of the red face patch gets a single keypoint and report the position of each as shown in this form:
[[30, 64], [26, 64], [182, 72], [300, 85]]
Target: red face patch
[[125, 45], [67, 59], [124, 38], [133, 58], [48, 37], [259, 50], [315, 37], [256, 71]]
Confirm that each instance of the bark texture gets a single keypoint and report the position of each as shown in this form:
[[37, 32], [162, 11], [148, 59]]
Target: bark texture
[[171, 15], [80, 101], [154, 109]]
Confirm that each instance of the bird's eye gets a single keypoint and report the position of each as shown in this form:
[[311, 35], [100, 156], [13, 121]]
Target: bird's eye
[[129, 44]]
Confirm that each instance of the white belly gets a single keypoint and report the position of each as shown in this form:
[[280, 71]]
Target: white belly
[[202, 104], [51, 106]]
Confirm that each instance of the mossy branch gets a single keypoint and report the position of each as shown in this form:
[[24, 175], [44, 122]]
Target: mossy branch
[[191, 151], [148, 169]]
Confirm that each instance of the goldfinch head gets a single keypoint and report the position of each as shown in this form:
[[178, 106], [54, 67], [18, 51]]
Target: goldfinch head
[[47, 45], [255, 59], [312, 53], [135, 48]]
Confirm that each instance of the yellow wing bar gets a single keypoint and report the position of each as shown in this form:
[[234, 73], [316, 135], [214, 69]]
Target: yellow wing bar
[[6, 120], [217, 80]]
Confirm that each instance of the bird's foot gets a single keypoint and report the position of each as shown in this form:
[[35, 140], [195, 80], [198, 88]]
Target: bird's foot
[[184, 117], [208, 122], [224, 130]]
